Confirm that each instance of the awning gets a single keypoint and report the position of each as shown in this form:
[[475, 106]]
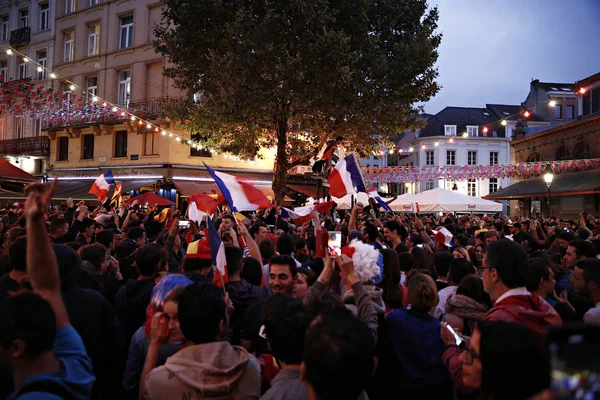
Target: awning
[[309, 190], [78, 190], [577, 183], [9, 172]]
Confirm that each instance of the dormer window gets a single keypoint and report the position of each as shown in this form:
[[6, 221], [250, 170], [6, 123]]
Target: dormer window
[[450, 130]]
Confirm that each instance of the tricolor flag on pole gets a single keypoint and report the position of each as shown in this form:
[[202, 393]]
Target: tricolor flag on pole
[[415, 207], [101, 186], [346, 177], [217, 252], [240, 195], [374, 195], [301, 215]]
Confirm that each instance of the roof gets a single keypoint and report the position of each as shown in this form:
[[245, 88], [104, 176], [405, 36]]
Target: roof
[[462, 117], [593, 119], [554, 86], [589, 80], [576, 183], [532, 130], [511, 112], [11, 173]]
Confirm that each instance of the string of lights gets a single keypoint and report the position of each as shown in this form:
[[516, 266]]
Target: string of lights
[[118, 110]]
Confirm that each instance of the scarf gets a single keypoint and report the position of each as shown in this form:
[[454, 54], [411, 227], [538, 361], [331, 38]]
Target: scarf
[[466, 308]]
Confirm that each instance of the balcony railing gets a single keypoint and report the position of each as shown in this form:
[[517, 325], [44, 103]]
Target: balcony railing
[[150, 107], [31, 146], [20, 37]]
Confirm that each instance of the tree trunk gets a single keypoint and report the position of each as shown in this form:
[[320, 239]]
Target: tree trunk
[[281, 161]]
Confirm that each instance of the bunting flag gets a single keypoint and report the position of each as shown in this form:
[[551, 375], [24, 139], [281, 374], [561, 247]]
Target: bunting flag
[[240, 195], [301, 215], [374, 195], [346, 177], [217, 252], [101, 186]]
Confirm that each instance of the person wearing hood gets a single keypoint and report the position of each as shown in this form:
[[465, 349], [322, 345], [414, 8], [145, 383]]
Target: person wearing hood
[[241, 292], [207, 368], [101, 335], [505, 275], [133, 298], [469, 306]]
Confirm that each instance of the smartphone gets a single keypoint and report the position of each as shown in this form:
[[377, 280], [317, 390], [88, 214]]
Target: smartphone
[[574, 363], [421, 245], [184, 224], [322, 241], [334, 243], [457, 338]]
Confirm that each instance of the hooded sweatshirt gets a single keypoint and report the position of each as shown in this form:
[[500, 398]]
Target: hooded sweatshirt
[[131, 302], [214, 370], [529, 310]]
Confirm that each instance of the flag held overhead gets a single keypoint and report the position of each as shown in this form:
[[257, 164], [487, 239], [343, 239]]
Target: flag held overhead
[[346, 177], [101, 186]]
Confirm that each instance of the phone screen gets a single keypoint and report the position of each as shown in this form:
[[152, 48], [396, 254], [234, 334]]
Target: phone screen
[[184, 224], [574, 362], [457, 338], [335, 243]]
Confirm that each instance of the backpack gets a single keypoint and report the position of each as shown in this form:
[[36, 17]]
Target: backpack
[[46, 386]]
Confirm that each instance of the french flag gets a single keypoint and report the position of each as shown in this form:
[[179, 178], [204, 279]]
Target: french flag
[[217, 253], [346, 177], [200, 205], [301, 215], [240, 195], [444, 236], [101, 186], [374, 195]]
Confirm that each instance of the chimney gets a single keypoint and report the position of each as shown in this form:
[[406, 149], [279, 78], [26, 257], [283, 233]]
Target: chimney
[[521, 126]]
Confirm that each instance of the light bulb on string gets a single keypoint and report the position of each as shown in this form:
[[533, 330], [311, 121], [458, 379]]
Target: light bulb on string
[[503, 122], [164, 133], [104, 104], [423, 147], [526, 114], [465, 135], [391, 151], [451, 140], [552, 103], [40, 69], [485, 129], [178, 139], [95, 99], [411, 149], [170, 134], [148, 126], [25, 59], [141, 122], [53, 75], [133, 117], [72, 87], [156, 129], [9, 52], [581, 90], [114, 109], [436, 144], [122, 113]]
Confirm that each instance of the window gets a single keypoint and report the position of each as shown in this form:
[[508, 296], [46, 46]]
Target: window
[[450, 130], [19, 127], [36, 126], [5, 28], [570, 112], [3, 71], [471, 158], [121, 144], [151, 143], [591, 102], [126, 32], [493, 187], [42, 60], [450, 157], [88, 147], [581, 151], [558, 111], [93, 2], [22, 70], [69, 46], [472, 130], [62, 149], [93, 39], [429, 157], [534, 157], [198, 152], [493, 157], [472, 187], [24, 18], [92, 87], [69, 6], [124, 88], [429, 184], [562, 153], [44, 16]]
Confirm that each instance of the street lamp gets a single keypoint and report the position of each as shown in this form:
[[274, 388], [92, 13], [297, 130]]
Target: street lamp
[[548, 177]]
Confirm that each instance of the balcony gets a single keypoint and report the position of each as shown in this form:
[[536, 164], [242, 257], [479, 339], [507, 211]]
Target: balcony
[[31, 146], [20, 37], [149, 108]]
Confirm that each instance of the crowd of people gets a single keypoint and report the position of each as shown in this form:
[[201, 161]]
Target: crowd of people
[[123, 304]]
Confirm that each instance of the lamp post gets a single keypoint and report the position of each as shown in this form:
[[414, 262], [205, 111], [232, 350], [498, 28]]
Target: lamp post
[[548, 177]]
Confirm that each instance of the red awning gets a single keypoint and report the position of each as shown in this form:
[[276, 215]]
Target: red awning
[[9, 172]]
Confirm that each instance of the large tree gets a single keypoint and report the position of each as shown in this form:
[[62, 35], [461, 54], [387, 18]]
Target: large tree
[[296, 73]]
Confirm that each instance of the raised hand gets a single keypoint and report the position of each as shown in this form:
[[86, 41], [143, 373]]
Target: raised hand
[[38, 200]]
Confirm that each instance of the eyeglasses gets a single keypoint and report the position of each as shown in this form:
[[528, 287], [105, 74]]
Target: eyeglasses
[[470, 355], [480, 269]]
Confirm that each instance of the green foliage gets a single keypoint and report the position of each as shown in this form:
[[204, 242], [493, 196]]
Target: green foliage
[[295, 73]]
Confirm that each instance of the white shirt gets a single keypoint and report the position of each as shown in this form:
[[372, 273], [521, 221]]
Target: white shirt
[[592, 317], [445, 294], [520, 291]]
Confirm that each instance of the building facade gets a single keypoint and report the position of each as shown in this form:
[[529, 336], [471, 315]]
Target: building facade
[[28, 27], [105, 58]]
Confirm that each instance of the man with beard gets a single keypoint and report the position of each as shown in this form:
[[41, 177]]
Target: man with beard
[[282, 274]]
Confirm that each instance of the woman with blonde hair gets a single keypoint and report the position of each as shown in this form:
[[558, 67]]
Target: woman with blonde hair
[[417, 345], [461, 252]]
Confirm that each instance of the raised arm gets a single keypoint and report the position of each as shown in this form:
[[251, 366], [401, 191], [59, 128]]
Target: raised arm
[[42, 267], [353, 216], [253, 248]]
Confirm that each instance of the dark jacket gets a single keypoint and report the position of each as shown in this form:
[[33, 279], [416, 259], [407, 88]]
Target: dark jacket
[[242, 295], [70, 235], [131, 303], [95, 321]]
